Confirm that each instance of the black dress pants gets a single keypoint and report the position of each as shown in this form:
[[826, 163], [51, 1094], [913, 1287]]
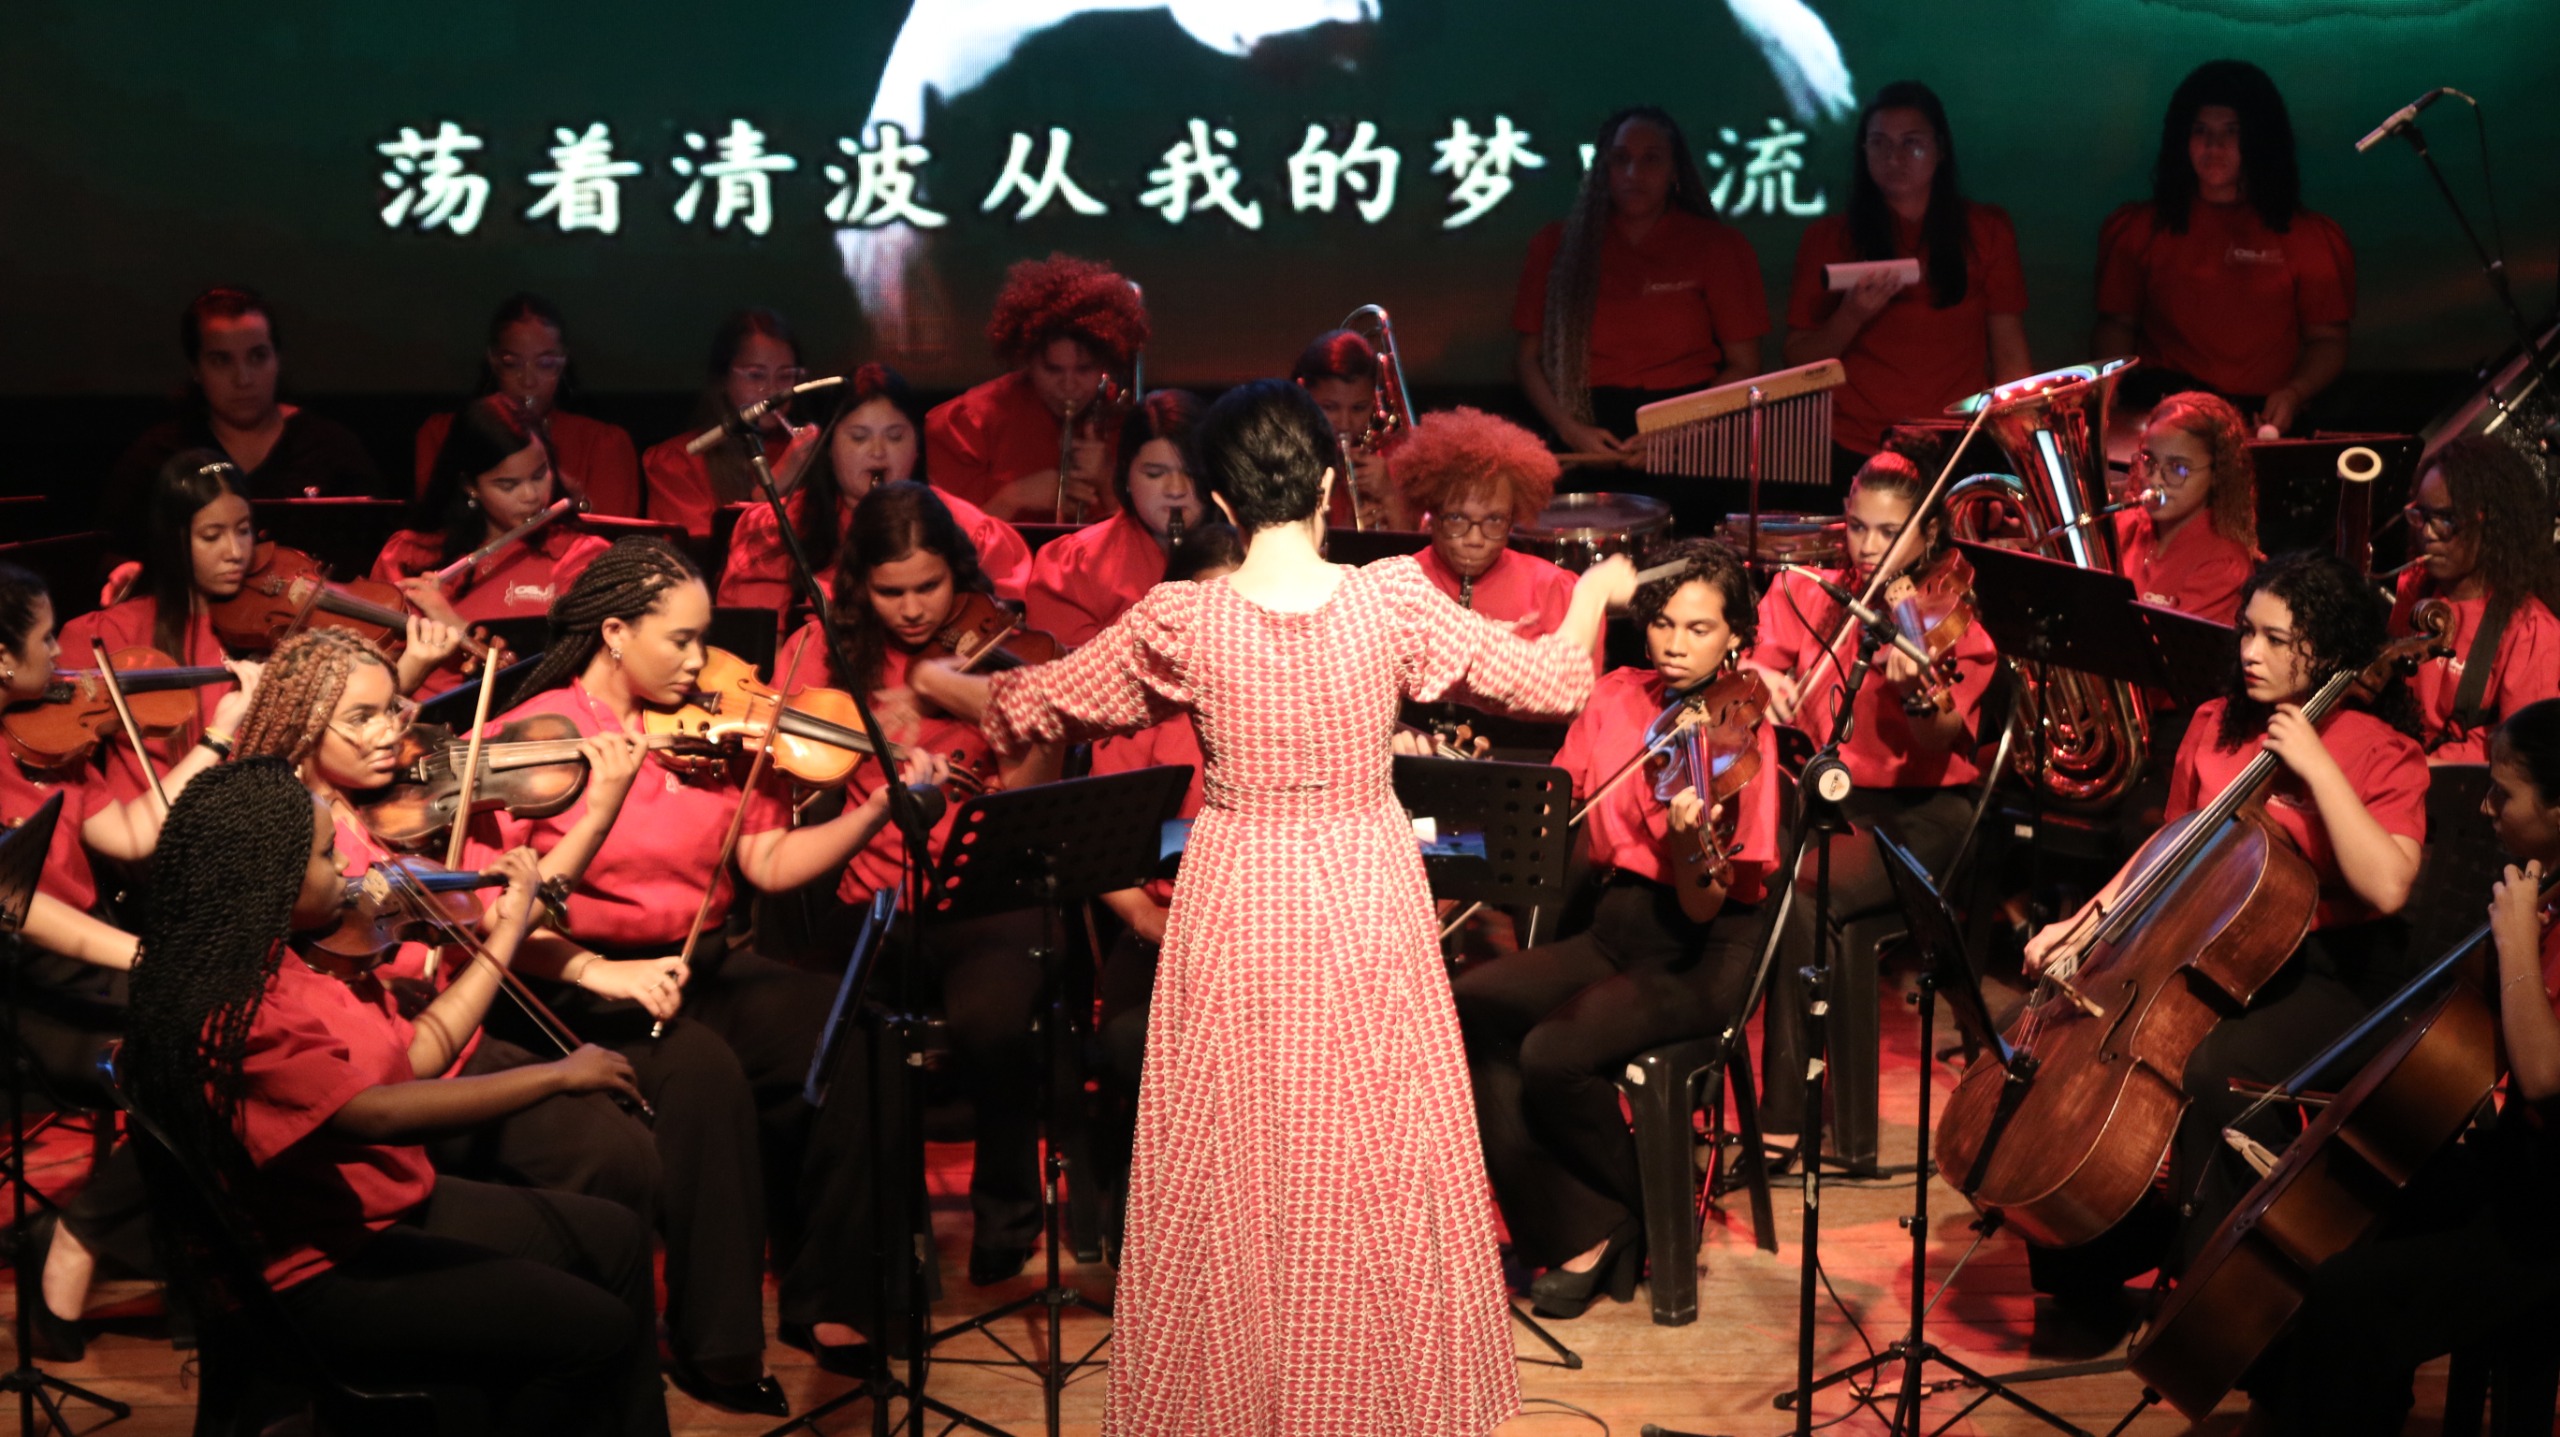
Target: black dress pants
[[541, 1300], [1547, 1030]]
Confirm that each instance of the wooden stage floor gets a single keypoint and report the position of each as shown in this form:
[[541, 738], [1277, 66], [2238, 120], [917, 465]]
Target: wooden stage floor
[[1714, 1376]]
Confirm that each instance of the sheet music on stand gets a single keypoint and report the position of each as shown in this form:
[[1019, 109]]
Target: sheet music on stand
[[2090, 620]]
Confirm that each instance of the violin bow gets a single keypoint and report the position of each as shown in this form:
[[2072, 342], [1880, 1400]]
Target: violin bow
[[461, 832], [124, 715]]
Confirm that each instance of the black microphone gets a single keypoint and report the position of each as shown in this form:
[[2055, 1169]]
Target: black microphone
[[930, 802], [758, 410], [2400, 119], [1875, 623]]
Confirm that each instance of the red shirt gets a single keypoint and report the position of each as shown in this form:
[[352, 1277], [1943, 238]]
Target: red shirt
[[1175, 740], [1796, 619], [883, 864], [1521, 589], [680, 489], [520, 583], [1631, 829], [2199, 571], [1082, 581], [1913, 359], [127, 625], [758, 575], [67, 877], [1667, 308], [2383, 766], [594, 459], [641, 888], [313, 1046], [992, 435], [2228, 300], [2527, 668]]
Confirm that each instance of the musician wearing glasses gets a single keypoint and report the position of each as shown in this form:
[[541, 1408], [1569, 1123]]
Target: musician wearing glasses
[[528, 361], [2192, 546], [754, 358], [1909, 349], [494, 473], [1084, 580], [2222, 273], [1470, 478], [1340, 369], [2481, 522], [1065, 326], [1639, 294]]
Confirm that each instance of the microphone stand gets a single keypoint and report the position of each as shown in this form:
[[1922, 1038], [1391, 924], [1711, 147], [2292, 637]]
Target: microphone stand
[[2492, 267], [880, 1384]]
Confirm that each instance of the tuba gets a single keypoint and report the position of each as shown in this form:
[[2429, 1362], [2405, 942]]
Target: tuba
[[2087, 736]]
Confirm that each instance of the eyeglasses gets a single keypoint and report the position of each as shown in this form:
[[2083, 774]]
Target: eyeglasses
[[760, 376], [2178, 469], [1458, 526], [1917, 147], [545, 364], [2434, 523], [382, 727]]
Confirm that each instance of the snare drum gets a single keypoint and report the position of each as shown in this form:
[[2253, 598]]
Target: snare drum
[[1816, 541], [1575, 531]]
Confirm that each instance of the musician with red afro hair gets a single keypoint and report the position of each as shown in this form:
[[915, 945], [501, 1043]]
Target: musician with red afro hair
[[1469, 478], [1064, 325]]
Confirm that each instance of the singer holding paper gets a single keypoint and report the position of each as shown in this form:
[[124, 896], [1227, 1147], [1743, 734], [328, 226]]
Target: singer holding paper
[[1944, 324], [2191, 545], [2222, 273], [1911, 767], [754, 360]]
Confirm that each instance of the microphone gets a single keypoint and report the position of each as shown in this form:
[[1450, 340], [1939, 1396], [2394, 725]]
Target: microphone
[[930, 801], [758, 410], [2401, 118], [2139, 499], [1875, 623]]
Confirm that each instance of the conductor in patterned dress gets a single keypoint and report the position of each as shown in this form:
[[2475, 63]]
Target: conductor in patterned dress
[[1310, 1239]]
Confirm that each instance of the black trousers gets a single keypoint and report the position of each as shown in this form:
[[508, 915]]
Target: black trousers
[[1927, 821], [541, 1300], [1547, 1030]]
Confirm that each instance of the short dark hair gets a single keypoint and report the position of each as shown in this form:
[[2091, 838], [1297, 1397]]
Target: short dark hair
[[1204, 547], [1168, 414], [20, 590], [1702, 561], [223, 301], [2531, 736], [1264, 447], [2267, 163], [1337, 354]]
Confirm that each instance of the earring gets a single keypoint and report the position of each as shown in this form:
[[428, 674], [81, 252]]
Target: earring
[[617, 655], [470, 501]]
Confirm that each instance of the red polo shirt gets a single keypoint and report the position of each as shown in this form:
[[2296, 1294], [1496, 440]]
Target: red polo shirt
[[66, 877], [758, 575], [128, 625], [1913, 359], [1523, 590], [994, 434], [2197, 571], [2527, 669], [680, 489], [1667, 308], [2227, 300], [594, 459], [1082, 581], [1796, 619], [520, 583], [2383, 766], [1631, 829]]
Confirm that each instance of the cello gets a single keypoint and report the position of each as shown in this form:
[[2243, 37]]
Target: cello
[[2064, 1133]]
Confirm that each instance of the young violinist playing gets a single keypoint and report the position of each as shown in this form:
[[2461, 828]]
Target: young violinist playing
[[626, 648], [876, 437], [2193, 545], [1469, 479], [2352, 798], [527, 361], [1910, 752], [2483, 527], [2477, 1265], [754, 360], [1064, 326], [1340, 369], [1083, 581], [904, 568], [1668, 952], [494, 473]]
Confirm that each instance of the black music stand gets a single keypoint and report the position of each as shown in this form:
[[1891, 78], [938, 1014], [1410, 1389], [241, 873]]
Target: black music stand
[[22, 855], [1048, 847], [1943, 969], [2303, 504]]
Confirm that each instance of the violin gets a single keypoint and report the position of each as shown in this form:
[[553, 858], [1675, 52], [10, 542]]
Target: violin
[[1713, 746], [531, 768], [982, 633], [287, 590], [818, 738], [66, 725], [1934, 610]]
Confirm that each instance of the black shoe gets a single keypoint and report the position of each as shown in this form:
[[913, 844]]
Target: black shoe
[[762, 1396], [51, 1336], [844, 1359], [1561, 1294], [991, 1265]]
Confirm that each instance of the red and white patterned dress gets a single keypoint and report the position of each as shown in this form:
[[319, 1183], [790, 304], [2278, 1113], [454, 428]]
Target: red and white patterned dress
[[1311, 1237]]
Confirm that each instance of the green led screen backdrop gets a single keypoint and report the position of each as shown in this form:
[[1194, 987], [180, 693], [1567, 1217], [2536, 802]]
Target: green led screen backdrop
[[385, 171]]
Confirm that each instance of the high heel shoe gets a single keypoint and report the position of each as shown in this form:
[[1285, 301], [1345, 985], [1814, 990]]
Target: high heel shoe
[[50, 1336], [1564, 1295]]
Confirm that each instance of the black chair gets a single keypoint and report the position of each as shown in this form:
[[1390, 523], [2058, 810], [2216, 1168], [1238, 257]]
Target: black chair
[[254, 1362], [2515, 1379]]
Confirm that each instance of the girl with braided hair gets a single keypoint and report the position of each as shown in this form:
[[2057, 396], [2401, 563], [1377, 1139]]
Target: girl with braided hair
[[2482, 521], [305, 1105], [628, 637], [1063, 325], [327, 707]]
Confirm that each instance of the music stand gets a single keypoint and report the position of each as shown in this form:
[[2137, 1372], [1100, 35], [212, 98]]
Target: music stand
[[2195, 653], [22, 855], [2058, 613], [1048, 847]]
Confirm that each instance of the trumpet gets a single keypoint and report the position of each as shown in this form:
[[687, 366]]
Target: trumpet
[[1394, 409]]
